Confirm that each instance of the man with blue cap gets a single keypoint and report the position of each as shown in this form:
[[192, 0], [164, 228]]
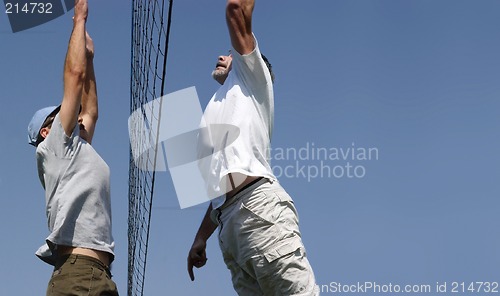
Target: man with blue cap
[[75, 178]]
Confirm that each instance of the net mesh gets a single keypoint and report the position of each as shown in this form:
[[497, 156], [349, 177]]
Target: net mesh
[[150, 36]]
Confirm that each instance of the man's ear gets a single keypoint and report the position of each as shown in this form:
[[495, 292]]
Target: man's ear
[[44, 132]]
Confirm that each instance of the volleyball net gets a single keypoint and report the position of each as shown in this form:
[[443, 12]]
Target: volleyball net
[[150, 37]]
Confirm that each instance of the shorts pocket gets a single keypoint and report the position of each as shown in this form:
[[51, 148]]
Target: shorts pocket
[[283, 196], [286, 271], [261, 207], [264, 215], [255, 229], [288, 247]]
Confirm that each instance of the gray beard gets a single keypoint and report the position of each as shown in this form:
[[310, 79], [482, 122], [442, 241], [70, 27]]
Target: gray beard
[[219, 74]]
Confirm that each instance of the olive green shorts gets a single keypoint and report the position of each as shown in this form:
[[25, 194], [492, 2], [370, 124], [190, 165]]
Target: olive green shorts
[[79, 275]]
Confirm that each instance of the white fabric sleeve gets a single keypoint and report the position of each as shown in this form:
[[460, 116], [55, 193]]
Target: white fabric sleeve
[[251, 68]]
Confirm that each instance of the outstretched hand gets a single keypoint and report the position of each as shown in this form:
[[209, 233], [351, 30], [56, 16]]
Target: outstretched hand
[[197, 256], [81, 10]]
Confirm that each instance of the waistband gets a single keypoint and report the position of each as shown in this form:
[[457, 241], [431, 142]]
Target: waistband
[[248, 188], [74, 258]]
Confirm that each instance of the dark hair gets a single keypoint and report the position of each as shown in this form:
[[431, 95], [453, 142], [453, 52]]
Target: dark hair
[[268, 67], [47, 123]]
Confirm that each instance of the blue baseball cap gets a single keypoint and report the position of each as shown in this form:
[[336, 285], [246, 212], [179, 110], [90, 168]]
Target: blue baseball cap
[[37, 121]]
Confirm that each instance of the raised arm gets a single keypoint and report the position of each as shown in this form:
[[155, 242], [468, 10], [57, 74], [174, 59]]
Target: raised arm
[[75, 68], [239, 23], [90, 112]]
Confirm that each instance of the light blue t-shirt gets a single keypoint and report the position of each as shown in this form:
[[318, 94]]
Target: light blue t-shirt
[[77, 193]]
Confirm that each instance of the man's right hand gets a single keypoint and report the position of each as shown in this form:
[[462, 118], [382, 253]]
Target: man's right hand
[[197, 256], [81, 10]]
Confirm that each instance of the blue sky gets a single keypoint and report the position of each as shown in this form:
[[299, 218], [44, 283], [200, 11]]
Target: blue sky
[[417, 80]]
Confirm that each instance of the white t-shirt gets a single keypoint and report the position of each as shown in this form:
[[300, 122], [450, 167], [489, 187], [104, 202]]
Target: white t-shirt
[[240, 119]]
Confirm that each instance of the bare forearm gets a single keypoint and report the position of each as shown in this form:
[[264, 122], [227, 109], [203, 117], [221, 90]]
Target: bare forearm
[[207, 227], [239, 22], [197, 256], [75, 68], [89, 96], [76, 57]]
